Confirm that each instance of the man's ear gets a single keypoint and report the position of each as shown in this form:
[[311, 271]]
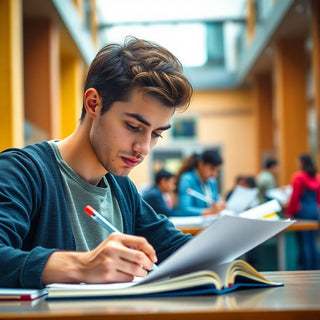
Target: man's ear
[[92, 101]]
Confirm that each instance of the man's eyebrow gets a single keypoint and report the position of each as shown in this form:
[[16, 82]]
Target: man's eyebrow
[[139, 118]]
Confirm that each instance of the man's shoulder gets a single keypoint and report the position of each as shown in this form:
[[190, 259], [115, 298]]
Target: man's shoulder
[[36, 150], [39, 153], [33, 158]]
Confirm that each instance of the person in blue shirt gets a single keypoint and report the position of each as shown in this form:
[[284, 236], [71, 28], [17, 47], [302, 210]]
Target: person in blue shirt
[[197, 176], [130, 95], [159, 196]]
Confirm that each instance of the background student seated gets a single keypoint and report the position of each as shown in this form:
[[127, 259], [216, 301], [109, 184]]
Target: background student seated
[[161, 195], [199, 173]]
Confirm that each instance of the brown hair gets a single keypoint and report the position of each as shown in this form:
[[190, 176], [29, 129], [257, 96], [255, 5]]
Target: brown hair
[[307, 164], [118, 69]]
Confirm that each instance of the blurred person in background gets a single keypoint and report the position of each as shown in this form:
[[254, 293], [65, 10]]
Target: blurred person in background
[[198, 174], [266, 179], [304, 204], [160, 195]]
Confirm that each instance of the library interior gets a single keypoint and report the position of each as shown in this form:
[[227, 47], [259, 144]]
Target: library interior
[[254, 66]]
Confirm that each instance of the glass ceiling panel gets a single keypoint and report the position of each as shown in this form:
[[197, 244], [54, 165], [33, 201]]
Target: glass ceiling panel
[[125, 11], [201, 33]]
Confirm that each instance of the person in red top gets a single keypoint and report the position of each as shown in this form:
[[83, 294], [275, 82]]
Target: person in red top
[[304, 204]]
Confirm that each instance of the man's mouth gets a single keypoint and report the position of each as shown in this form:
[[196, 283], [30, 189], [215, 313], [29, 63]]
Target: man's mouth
[[131, 162]]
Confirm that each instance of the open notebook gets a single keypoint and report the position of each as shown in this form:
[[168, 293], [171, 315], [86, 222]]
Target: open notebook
[[226, 278], [199, 267]]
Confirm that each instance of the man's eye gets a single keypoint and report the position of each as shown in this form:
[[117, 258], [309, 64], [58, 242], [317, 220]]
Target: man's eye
[[157, 135], [131, 127]]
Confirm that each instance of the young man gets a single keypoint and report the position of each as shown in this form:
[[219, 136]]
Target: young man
[[130, 95], [165, 184]]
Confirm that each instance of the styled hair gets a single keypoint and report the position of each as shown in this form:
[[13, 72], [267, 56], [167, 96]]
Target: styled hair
[[138, 64], [208, 157], [307, 164], [163, 174]]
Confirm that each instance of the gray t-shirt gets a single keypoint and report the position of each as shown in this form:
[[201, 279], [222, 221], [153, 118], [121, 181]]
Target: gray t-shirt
[[87, 232]]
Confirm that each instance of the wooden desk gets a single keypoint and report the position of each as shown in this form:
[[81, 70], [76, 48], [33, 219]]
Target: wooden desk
[[298, 299], [299, 225]]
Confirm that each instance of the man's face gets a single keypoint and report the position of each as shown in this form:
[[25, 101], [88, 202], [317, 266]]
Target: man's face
[[125, 134]]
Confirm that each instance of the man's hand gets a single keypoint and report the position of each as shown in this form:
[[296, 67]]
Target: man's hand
[[119, 258]]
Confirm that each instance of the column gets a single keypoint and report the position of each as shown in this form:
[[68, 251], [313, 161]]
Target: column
[[291, 105], [262, 102], [71, 79], [11, 74], [42, 76], [315, 31]]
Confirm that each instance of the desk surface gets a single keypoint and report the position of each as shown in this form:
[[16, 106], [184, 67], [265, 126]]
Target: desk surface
[[298, 299], [299, 225]]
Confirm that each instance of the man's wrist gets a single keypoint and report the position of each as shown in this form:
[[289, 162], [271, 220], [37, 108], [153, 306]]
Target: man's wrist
[[62, 266]]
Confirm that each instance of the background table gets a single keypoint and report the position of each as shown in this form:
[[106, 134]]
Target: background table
[[299, 298]]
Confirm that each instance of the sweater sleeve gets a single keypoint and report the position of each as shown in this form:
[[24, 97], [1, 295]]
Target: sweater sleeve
[[18, 197], [32, 223]]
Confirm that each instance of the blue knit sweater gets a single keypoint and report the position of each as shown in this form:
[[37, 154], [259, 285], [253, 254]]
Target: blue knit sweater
[[34, 220]]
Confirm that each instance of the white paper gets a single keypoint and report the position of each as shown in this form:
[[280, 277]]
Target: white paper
[[262, 210], [193, 220], [224, 240], [84, 286], [241, 199], [282, 194]]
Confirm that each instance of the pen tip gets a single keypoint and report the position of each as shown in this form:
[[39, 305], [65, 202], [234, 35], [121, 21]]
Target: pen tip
[[89, 210]]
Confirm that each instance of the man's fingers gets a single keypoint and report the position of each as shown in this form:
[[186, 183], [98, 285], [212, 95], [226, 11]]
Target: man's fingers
[[138, 254], [140, 244]]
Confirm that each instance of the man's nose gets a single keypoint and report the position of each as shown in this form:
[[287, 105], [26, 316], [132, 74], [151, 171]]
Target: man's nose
[[142, 145]]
